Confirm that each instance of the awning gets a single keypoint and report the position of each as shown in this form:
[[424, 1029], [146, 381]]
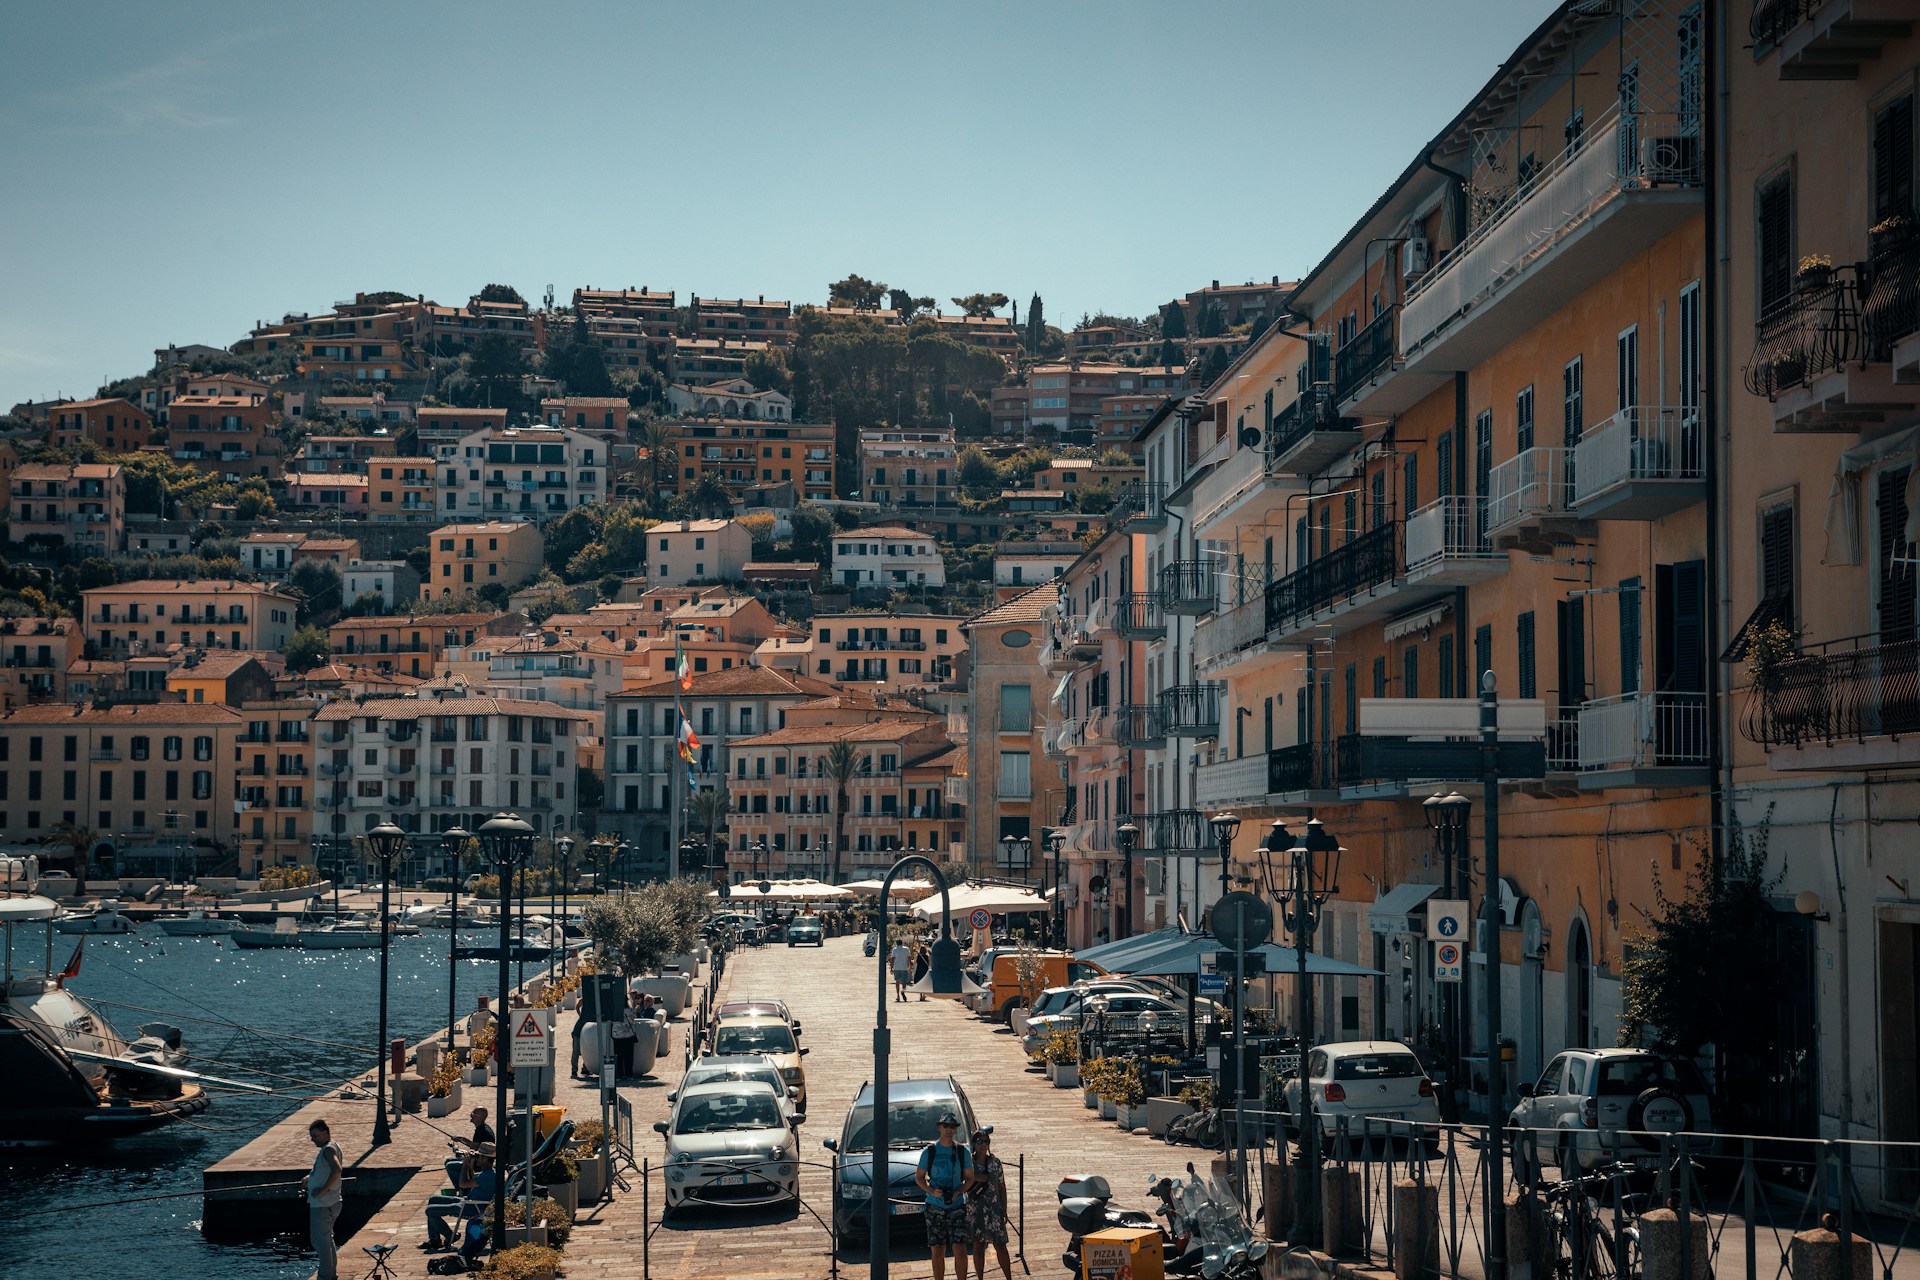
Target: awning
[[902, 888], [1059, 696], [1389, 911], [1111, 955], [999, 899], [1421, 620], [1185, 953]]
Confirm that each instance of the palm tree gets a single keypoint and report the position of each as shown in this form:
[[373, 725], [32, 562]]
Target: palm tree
[[656, 439], [842, 764], [711, 807], [78, 842]]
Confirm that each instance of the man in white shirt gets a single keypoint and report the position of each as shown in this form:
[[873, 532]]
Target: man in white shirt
[[323, 1197], [902, 961]]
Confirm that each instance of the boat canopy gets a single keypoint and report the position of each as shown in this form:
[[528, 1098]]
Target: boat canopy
[[32, 907]]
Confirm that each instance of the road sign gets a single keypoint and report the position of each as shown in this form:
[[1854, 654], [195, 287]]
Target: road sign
[[1213, 984], [1250, 963], [979, 918], [1446, 919], [1241, 921], [1446, 962], [530, 1039]]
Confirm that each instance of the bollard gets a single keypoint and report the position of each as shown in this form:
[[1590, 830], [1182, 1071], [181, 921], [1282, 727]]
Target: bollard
[[1661, 1255], [1341, 1230], [1416, 1229], [1529, 1241], [1276, 1181], [1816, 1255], [426, 1059]]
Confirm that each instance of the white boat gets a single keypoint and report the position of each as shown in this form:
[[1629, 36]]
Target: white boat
[[285, 932], [194, 924], [350, 933], [101, 917]]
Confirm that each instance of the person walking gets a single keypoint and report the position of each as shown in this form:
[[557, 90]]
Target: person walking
[[922, 961], [942, 1175], [323, 1198], [902, 959], [987, 1207]]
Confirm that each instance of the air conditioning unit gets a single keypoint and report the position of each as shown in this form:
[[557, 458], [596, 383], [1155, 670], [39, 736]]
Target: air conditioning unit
[[1416, 255], [1670, 158]]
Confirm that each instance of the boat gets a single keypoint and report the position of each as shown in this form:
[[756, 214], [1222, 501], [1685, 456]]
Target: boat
[[349, 933], [522, 947], [194, 924], [284, 933], [101, 917], [71, 1078]]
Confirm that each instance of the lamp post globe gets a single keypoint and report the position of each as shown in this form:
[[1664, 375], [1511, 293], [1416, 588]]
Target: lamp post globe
[[387, 841]]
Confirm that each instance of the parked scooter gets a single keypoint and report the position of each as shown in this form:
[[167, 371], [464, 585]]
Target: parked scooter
[[1086, 1206]]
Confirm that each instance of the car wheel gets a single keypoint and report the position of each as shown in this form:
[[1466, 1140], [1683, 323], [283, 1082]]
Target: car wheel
[[1570, 1162], [1520, 1156]]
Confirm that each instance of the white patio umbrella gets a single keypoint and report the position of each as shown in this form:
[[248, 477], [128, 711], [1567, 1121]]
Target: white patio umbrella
[[902, 888], [999, 899]]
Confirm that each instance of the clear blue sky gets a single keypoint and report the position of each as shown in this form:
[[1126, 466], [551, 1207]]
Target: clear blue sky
[[176, 171]]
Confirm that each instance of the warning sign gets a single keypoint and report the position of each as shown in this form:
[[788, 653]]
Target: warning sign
[[530, 1039]]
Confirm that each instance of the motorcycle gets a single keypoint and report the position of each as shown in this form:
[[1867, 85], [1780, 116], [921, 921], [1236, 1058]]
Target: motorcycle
[[1204, 1234]]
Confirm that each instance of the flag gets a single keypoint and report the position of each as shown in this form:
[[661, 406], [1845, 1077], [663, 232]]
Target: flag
[[73, 962], [689, 740], [681, 670]]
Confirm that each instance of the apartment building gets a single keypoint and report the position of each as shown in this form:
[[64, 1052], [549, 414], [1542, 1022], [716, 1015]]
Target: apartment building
[[80, 506], [34, 656], [224, 435], [629, 342], [394, 414], [467, 556], [1236, 304], [415, 644], [697, 551], [903, 654], [401, 488], [603, 415], [1019, 566], [901, 468], [887, 556], [732, 398], [343, 455], [116, 425], [326, 496], [273, 784], [1009, 775], [744, 453], [437, 760], [996, 333], [439, 425], [358, 342], [524, 473], [270, 554], [1817, 639], [579, 673], [132, 616], [390, 582], [737, 320], [448, 331], [228, 677]]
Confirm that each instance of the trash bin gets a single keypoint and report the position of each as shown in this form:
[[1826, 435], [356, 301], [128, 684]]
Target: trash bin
[[546, 1120]]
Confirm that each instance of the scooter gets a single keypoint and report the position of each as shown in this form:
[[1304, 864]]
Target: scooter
[[1086, 1206]]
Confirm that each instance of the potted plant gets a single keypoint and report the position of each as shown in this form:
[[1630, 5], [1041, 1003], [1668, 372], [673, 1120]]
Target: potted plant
[[563, 1182], [480, 1059], [443, 1090], [1887, 234], [1769, 650], [1061, 1053], [1093, 1075], [552, 1224], [524, 1262], [589, 1142], [1789, 369], [1129, 1093], [1815, 270]]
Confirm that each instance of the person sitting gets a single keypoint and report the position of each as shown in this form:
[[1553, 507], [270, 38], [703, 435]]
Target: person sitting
[[460, 1165], [461, 1207]]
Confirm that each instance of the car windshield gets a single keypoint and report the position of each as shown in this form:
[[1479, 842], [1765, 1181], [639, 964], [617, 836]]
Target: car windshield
[[731, 1038], [707, 1075], [1627, 1076], [1376, 1066], [723, 1111], [914, 1123], [1051, 1002]]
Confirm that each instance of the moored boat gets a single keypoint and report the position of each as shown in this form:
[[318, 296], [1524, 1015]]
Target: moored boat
[[284, 933], [101, 917], [194, 924]]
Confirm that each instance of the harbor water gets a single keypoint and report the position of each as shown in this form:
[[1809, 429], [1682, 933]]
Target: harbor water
[[307, 1017]]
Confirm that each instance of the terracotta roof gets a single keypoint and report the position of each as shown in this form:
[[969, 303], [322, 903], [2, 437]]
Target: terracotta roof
[[351, 673], [216, 664], [329, 544], [263, 539], [954, 758], [882, 530], [422, 708], [479, 526], [449, 411], [734, 682], [435, 621], [95, 404], [66, 470], [1024, 607], [889, 730], [152, 586], [123, 713]]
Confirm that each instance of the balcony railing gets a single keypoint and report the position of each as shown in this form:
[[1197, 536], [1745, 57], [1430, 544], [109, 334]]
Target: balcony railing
[[1139, 507], [1644, 730], [1230, 632], [1850, 689], [1191, 710], [1368, 561], [1231, 782], [1772, 19], [1138, 726], [1364, 354], [1301, 767], [1563, 741], [1642, 463], [1447, 542], [1189, 587], [1174, 832], [1531, 486], [1813, 332], [1136, 616], [1890, 302]]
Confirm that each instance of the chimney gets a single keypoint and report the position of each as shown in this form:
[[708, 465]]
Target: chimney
[[1216, 284]]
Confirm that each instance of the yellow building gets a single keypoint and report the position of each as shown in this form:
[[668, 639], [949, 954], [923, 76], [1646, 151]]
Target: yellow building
[[466, 557], [130, 617], [400, 488]]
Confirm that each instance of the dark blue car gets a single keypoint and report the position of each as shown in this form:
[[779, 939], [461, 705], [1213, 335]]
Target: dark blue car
[[914, 1108]]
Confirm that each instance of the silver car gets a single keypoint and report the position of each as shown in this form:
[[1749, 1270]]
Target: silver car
[[1596, 1106], [730, 1142], [742, 1066]]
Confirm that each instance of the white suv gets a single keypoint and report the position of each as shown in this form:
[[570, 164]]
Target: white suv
[[1593, 1107]]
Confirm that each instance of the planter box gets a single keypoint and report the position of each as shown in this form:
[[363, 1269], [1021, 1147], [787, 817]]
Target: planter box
[[513, 1234], [1107, 1108], [437, 1107], [1066, 1075], [477, 1077], [591, 1188], [566, 1193], [570, 1001], [688, 964], [1163, 1111], [1089, 1099], [1019, 1023], [1130, 1118], [671, 992]]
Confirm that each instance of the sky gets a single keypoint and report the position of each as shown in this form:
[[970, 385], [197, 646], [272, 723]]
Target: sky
[[175, 173]]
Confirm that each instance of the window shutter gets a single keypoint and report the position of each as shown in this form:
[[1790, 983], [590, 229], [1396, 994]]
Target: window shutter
[[1896, 579], [1410, 487], [1630, 636], [1523, 413], [1410, 672], [1443, 461], [1893, 159], [1523, 636], [1776, 555], [1482, 656], [1773, 209], [1445, 652], [1572, 620]]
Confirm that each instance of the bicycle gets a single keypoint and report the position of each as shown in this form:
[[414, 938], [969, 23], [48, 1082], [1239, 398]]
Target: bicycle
[[1589, 1244]]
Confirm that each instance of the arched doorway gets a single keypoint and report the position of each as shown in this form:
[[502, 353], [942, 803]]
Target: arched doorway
[[1579, 984], [1532, 972]]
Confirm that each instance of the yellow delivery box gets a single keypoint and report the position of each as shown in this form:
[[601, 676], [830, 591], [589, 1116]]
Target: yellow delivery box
[[1122, 1253]]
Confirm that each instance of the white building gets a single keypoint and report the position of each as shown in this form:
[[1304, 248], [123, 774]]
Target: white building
[[887, 556], [271, 554], [697, 551], [1021, 570], [391, 580], [525, 473], [731, 398]]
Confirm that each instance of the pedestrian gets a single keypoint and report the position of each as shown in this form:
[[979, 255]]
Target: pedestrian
[[902, 960], [323, 1198], [625, 1035], [942, 1175], [922, 961], [573, 1066], [987, 1207]]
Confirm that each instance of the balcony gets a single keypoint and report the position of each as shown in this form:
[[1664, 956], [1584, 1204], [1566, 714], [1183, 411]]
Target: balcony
[[1058, 738], [1136, 616], [1191, 711], [1831, 40], [1641, 464], [1189, 588], [399, 769], [1174, 833], [1620, 187], [1303, 773], [1139, 508], [1078, 640], [1367, 358], [1847, 704], [1227, 636], [1447, 544], [103, 755], [1829, 362], [1890, 303], [1100, 621], [1308, 434], [1231, 784], [1644, 740], [1138, 726], [1529, 505], [1096, 732], [1350, 585]]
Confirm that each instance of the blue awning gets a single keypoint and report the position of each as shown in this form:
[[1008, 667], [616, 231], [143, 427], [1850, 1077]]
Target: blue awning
[[1110, 955], [1184, 953], [1390, 910]]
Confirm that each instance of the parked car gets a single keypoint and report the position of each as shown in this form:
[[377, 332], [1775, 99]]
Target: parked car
[[1358, 1079], [1596, 1106], [730, 1141], [1126, 1001], [806, 929], [999, 972], [914, 1108], [753, 1006], [743, 1066], [768, 1034]]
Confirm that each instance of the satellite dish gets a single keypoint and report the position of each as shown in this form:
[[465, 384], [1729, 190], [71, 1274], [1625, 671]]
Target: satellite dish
[[1249, 437]]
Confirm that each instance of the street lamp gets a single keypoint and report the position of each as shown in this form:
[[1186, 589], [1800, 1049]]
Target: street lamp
[[1018, 851], [386, 841], [508, 841], [563, 846], [1128, 835], [945, 980], [1057, 839], [1447, 818], [1224, 825], [453, 843], [1315, 873]]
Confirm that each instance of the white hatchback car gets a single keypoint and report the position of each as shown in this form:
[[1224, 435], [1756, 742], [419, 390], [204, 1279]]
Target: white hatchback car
[[730, 1142], [1361, 1079]]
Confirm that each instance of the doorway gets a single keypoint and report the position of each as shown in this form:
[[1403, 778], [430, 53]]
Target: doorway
[[1579, 986]]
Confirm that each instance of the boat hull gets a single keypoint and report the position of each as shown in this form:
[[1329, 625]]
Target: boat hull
[[50, 1102], [263, 939], [196, 928], [338, 939]]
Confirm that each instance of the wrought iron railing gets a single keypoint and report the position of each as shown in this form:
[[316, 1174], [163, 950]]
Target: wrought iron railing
[[1845, 689], [1300, 767], [1174, 831], [1189, 584], [1890, 299], [1191, 710], [1814, 331], [1138, 725], [1366, 562], [1772, 19], [1364, 354], [1138, 499], [1137, 616]]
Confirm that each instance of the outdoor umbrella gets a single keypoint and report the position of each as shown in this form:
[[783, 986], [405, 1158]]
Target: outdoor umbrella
[[999, 899], [1113, 956]]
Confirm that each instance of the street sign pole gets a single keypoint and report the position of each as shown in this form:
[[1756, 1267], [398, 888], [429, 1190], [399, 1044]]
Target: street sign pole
[[1493, 1155]]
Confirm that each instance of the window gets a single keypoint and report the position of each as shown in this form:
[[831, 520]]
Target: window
[[1350, 681], [169, 748], [1410, 672], [1573, 415], [1444, 657], [1015, 781], [1410, 483], [1893, 159], [1482, 473], [1776, 560], [1016, 708], [1630, 635], [1523, 637], [1773, 241], [1378, 496], [1523, 420], [203, 748], [1690, 372], [1894, 600], [1627, 368]]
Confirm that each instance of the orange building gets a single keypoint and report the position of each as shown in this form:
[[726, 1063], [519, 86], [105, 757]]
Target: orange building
[[400, 489], [81, 506], [465, 557], [228, 435], [118, 426]]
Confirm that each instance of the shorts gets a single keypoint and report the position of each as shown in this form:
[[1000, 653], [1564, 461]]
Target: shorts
[[986, 1221], [947, 1228]]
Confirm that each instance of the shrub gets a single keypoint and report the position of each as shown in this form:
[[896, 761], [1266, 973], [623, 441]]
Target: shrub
[[522, 1262], [1061, 1046], [552, 1212], [589, 1136]]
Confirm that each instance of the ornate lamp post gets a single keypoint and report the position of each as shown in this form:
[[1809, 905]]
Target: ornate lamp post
[[1057, 840], [1127, 835], [508, 842], [453, 843], [563, 848], [1315, 870], [387, 841], [944, 979], [1447, 818], [1224, 825]]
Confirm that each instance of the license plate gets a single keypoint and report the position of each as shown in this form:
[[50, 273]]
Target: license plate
[[732, 1180], [900, 1207]]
